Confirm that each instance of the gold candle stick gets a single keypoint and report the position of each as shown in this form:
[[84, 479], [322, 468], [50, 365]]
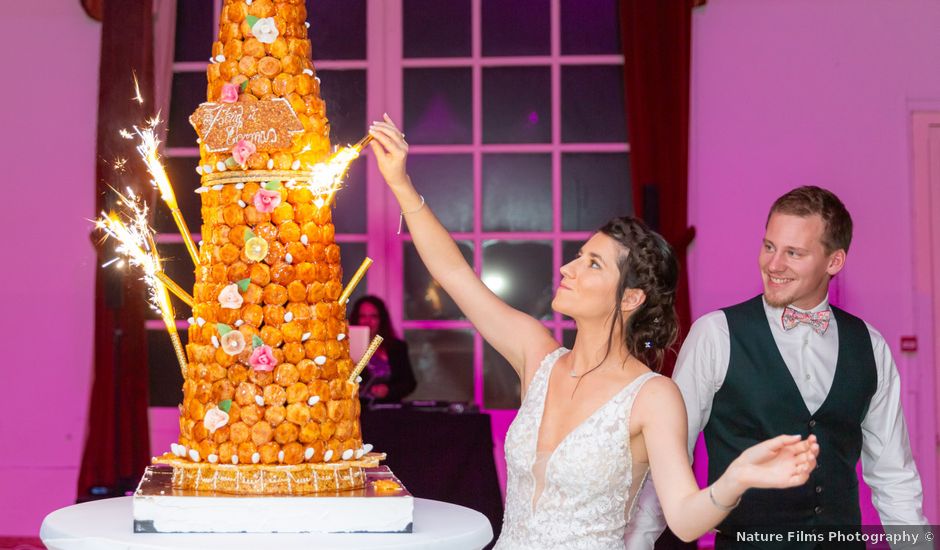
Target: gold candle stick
[[376, 342], [174, 288], [361, 144], [169, 319], [187, 238], [178, 348], [351, 286]]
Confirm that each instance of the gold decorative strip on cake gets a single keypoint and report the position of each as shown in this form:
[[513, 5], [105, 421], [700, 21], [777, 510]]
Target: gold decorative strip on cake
[[272, 480]]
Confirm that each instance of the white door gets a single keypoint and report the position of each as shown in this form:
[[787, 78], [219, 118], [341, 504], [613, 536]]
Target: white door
[[923, 381]]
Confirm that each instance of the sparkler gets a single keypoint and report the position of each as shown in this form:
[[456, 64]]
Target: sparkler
[[148, 149], [376, 342], [351, 285], [328, 176], [135, 242]]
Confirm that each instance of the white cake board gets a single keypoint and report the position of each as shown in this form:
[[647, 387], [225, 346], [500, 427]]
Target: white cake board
[[159, 508]]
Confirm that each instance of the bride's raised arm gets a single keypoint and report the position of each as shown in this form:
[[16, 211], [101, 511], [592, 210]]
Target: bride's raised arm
[[518, 337], [782, 462]]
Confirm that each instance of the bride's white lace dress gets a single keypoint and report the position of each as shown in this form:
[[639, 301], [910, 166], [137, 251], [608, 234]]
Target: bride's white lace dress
[[582, 494]]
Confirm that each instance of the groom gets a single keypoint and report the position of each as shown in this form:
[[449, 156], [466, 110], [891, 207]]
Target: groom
[[789, 362]]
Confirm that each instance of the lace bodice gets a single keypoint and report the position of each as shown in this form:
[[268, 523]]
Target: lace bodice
[[590, 480]]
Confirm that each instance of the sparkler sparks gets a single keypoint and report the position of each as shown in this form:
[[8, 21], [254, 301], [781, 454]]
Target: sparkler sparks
[[148, 147], [135, 242], [138, 97], [328, 176]]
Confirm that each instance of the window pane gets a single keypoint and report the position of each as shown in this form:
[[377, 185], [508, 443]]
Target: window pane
[[179, 266], [569, 251], [515, 28], [520, 272], [446, 181], [185, 180], [437, 105], [337, 28], [345, 95], [517, 105], [500, 382], [433, 28], [349, 214], [194, 30], [600, 119], [590, 27], [443, 364], [188, 91], [595, 188], [424, 298], [517, 192], [351, 256], [166, 380]]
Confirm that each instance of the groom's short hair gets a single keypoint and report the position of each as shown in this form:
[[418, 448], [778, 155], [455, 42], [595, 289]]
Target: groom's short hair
[[808, 200]]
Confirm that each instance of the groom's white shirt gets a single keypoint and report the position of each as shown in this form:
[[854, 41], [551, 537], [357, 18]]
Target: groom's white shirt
[[887, 462]]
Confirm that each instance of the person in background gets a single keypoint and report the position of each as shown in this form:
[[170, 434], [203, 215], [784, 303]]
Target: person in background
[[389, 377]]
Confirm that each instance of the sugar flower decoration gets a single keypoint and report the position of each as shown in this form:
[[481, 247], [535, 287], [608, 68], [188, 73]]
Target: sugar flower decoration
[[262, 358], [230, 297], [256, 249], [242, 150], [233, 342], [215, 419], [265, 30], [229, 93], [266, 201]]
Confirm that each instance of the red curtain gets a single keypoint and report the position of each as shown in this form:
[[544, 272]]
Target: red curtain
[[656, 40], [117, 447]]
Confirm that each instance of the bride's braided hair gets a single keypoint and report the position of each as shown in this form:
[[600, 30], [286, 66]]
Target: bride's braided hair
[[648, 263]]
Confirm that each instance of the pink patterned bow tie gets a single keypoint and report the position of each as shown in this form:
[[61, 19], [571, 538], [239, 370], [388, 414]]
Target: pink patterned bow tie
[[819, 321]]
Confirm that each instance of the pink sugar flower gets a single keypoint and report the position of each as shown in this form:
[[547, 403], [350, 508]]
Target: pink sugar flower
[[229, 93], [242, 150], [262, 358], [266, 200]]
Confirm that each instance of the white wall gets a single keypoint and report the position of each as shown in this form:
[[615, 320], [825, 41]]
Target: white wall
[[48, 102], [795, 92]]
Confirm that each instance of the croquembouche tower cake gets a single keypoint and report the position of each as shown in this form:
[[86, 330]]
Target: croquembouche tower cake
[[270, 400]]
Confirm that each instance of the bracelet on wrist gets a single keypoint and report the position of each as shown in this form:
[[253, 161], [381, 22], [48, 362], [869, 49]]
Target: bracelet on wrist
[[720, 506], [401, 217]]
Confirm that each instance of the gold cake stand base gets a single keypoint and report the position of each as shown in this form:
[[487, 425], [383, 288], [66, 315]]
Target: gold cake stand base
[[270, 479]]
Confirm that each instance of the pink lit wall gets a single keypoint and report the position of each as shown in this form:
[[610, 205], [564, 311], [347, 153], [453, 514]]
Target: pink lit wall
[[49, 107], [816, 92]]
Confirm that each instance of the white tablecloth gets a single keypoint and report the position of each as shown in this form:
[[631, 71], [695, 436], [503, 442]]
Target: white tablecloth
[[108, 525]]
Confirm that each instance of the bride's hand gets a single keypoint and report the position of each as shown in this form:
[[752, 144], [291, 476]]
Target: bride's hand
[[782, 462], [390, 150]]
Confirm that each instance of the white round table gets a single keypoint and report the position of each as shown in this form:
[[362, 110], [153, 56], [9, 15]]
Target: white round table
[[108, 525]]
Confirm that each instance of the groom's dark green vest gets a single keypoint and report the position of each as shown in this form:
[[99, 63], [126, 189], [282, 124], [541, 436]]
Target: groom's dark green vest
[[759, 400]]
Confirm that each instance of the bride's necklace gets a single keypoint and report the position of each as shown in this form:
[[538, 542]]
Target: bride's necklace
[[574, 374]]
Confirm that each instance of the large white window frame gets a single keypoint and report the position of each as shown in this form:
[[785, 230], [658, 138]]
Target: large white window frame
[[384, 66]]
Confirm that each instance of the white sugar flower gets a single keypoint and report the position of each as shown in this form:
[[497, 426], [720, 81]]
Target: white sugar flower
[[265, 30]]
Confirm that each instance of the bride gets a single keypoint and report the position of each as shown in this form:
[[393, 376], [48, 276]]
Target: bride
[[595, 420]]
